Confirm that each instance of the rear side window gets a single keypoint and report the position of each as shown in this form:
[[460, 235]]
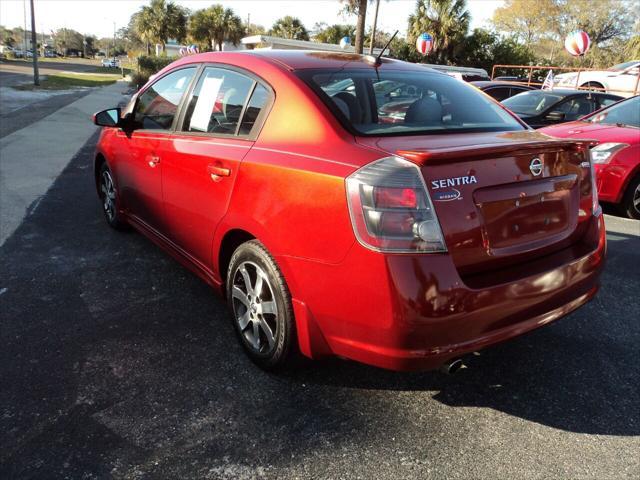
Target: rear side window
[[394, 102], [217, 102], [157, 106], [259, 99], [499, 93]]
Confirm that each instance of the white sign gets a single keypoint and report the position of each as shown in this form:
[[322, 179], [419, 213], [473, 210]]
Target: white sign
[[204, 106]]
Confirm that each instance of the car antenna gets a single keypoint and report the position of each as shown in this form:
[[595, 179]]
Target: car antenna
[[376, 60]]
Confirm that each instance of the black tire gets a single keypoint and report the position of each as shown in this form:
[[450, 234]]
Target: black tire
[[630, 205], [259, 309], [110, 206]]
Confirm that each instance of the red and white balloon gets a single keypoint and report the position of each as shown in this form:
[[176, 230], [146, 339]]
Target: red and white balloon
[[424, 44], [577, 43]]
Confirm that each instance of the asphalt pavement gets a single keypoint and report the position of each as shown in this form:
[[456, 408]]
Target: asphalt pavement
[[116, 362]]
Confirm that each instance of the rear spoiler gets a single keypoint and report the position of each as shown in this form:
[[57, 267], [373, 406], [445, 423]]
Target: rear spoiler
[[478, 152]]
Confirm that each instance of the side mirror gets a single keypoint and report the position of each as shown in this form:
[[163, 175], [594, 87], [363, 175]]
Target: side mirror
[[108, 118], [555, 116]]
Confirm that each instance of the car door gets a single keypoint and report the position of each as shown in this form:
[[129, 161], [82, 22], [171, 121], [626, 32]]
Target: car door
[[217, 128], [140, 147]]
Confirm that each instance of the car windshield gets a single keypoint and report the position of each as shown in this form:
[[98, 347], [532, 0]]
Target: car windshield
[[406, 102], [626, 113], [623, 66], [532, 103]]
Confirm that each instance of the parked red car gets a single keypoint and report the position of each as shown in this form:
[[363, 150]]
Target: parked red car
[[617, 155], [402, 245]]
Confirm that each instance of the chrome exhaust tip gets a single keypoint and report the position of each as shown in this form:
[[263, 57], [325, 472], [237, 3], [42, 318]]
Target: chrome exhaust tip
[[452, 366]]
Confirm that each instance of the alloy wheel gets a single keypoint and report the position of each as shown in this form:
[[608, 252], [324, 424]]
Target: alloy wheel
[[635, 200], [108, 195], [254, 307]]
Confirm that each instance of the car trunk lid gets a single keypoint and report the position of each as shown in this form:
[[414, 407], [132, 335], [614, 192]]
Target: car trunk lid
[[501, 197]]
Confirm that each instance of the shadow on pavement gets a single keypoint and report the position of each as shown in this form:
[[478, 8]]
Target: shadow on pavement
[[117, 361]]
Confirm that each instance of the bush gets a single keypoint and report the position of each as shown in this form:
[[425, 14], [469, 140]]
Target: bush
[[151, 65], [147, 66], [138, 79]]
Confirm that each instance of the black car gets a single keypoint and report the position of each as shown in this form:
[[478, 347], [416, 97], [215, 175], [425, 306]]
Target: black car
[[501, 90], [540, 108]]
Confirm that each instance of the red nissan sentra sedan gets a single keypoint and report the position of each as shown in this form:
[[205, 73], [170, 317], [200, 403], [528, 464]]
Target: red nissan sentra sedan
[[616, 157], [403, 245]]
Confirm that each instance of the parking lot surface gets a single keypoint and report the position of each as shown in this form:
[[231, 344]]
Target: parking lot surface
[[118, 363]]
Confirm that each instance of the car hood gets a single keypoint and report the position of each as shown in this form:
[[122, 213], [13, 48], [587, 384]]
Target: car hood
[[596, 131], [588, 73]]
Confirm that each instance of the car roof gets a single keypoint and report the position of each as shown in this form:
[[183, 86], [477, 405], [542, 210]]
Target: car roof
[[493, 83], [566, 92], [309, 59]]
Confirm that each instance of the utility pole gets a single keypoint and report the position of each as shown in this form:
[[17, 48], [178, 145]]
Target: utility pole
[[373, 30], [34, 42], [24, 34]]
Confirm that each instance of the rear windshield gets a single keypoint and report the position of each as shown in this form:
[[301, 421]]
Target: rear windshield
[[625, 113], [532, 103], [379, 103]]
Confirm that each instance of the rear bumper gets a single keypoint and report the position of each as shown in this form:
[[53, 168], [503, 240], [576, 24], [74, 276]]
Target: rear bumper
[[405, 312]]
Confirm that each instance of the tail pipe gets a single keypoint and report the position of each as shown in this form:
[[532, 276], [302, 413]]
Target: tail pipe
[[452, 366]]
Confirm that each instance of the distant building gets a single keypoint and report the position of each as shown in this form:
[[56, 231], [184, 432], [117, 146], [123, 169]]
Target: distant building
[[277, 43], [172, 48]]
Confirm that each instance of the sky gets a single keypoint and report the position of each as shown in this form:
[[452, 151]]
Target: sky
[[97, 17]]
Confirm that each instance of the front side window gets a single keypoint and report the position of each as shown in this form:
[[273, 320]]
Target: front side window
[[577, 107], [157, 106], [626, 113], [378, 102], [217, 102]]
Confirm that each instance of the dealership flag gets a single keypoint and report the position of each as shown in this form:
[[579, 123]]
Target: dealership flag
[[548, 82]]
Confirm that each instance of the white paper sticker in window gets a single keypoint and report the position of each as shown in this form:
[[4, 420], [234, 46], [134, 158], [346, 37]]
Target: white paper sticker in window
[[204, 106]]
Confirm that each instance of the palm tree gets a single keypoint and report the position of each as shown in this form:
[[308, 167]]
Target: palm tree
[[446, 20], [161, 21], [215, 25], [357, 7], [289, 27]]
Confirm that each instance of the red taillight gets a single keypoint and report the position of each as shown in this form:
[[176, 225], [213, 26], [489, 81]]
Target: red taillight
[[391, 210], [386, 197]]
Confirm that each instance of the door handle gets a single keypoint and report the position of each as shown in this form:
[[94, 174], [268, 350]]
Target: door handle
[[155, 160], [217, 172]]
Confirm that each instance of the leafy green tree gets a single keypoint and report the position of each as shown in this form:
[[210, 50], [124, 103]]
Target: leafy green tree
[[484, 49], [289, 27], [160, 21], [334, 33], [446, 20], [66, 39], [215, 25], [527, 20]]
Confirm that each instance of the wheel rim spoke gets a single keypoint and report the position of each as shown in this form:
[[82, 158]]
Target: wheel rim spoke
[[247, 280], [243, 320], [257, 290], [271, 340], [241, 296], [256, 334], [269, 307]]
